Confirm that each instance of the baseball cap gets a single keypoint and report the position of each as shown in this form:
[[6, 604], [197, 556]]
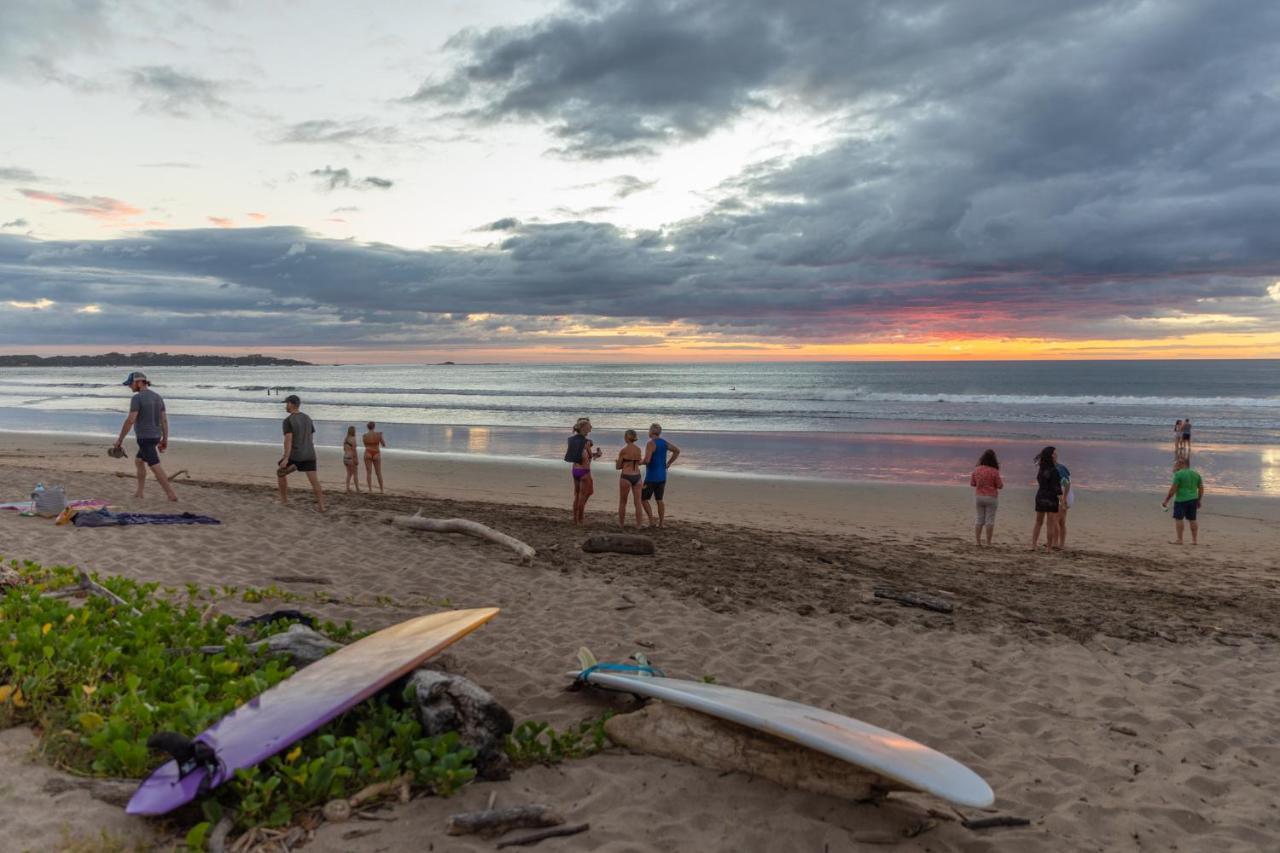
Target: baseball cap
[[134, 377]]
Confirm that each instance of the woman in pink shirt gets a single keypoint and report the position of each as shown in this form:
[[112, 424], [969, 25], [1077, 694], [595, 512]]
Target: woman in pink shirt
[[987, 485]]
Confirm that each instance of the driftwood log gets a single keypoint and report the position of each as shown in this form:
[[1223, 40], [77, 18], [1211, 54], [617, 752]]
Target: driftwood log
[[677, 733], [916, 599], [302, 645], [468, 528], [450, 703], [97, 589], [498, 821], [619, 543]]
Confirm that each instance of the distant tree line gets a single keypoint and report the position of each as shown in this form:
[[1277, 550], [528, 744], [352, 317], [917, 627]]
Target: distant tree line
[[149, 359]]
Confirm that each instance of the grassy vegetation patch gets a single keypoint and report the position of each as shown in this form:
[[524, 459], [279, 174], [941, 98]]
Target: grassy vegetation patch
[[95, 679]]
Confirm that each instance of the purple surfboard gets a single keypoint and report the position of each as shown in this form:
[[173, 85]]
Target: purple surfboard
[[299, 705]]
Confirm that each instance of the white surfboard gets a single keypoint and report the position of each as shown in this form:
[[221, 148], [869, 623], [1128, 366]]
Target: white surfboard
[[890, 755]]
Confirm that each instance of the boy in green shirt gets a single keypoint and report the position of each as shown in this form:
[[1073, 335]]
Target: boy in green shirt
[[1186, 492]]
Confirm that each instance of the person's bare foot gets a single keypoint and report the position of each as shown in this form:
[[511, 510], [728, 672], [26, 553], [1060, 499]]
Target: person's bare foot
[[138, 495]]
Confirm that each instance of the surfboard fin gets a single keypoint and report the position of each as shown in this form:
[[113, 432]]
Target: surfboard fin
[[586, 659], [190, 754]]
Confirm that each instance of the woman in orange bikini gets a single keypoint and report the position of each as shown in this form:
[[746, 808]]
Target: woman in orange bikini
[[373, 444]]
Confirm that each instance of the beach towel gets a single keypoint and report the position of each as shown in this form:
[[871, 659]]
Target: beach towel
[[106, 518]]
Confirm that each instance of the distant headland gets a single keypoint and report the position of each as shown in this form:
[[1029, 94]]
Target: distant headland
[[149, 359]]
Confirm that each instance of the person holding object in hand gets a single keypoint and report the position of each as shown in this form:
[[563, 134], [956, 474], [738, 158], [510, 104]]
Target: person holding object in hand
[[1186, 492], [150, 425], [299, 451]]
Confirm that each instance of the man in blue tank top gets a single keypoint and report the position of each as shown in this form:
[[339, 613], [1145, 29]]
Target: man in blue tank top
[[656, 461]]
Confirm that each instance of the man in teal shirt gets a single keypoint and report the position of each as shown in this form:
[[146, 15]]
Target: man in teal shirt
[[1186, 492]]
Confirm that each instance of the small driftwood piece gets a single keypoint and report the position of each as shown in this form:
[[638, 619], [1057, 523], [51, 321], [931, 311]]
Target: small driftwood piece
[[217, 840], [97, 589], [677, 733], [619, 543], [398, 786], [498, 821], [992, 822], [543, 835], [468, 528], [303, 645], [916, 599]]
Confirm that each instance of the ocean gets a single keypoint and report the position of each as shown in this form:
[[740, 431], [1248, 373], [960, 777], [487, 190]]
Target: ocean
[[913, 422]]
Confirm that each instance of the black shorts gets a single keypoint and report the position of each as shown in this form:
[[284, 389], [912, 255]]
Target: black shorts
[[1185, 509], [1046, 504], [147, 451], [654, 490], [308, 465]]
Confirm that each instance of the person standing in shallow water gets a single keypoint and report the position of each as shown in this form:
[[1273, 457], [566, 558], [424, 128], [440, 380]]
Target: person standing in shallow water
[[349, 459], [987, 484], [1048, 495], [150, 424]]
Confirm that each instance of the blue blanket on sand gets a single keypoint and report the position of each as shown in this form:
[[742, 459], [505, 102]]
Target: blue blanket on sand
[[106, 518]]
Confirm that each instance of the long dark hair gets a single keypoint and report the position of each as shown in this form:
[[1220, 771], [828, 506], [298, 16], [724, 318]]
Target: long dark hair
[[988, 458], [1045, 457]]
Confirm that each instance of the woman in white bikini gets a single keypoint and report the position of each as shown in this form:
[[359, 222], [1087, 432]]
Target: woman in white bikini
[[349, 459]]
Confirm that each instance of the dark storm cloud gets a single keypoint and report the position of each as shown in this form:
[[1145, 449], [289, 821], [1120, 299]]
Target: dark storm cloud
[[729, 277], [165, 89], [334, 179]]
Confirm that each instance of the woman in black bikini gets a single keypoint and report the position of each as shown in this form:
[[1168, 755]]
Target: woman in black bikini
[[628, 462], [1048, 494]]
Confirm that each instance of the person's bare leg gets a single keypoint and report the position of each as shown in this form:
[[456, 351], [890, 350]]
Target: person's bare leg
[[377, 468], [635, 497], [991, 529], [662, 512], [282, 483], [588, 489], [648, 512], [163, 479], [1195, 532], [977, 534], [314, 478], [624, 489], [368, 473], [1177, 526], [1062, 529], [1035, 531], [142, 475]]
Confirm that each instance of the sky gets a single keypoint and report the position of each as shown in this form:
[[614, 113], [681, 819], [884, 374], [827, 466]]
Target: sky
[[642, 179]]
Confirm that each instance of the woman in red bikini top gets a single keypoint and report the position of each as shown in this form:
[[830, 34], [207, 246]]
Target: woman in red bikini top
[[373, 444]]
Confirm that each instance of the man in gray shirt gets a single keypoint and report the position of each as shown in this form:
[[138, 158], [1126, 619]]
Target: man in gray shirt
[[150, 427], [299, 451]]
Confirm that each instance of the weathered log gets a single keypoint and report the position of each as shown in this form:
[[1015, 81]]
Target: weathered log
[[543, 835], [301, 644], [916, 599], [677, 733], [450, 703], [498, 821], [368, 793], [619, 543], [97, 589], [469, 528]]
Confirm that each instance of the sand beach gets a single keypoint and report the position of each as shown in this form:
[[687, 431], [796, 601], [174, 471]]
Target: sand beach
[[1122, 695]]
